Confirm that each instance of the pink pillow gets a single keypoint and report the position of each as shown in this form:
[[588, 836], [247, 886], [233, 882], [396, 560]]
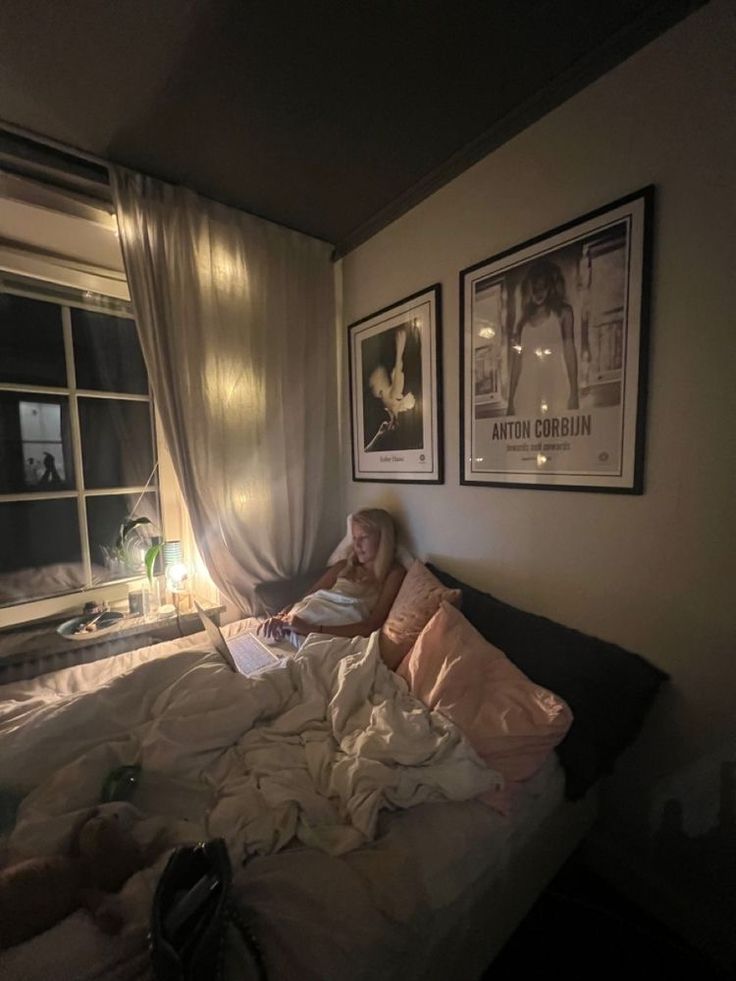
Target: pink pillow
[[416, 603], [509, 721]]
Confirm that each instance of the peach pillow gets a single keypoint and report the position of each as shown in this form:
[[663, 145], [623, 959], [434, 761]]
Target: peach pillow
[[511, 723], [416, 603]]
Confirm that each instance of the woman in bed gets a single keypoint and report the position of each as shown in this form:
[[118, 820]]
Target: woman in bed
[[354, 596]]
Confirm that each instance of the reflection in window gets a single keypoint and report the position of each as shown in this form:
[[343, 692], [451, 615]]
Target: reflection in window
[[112, 558], [117, 448], [40, 430], [107, 355], [35, 443], [41, 553]]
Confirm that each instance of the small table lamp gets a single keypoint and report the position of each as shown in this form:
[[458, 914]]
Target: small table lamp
[[175, 570]]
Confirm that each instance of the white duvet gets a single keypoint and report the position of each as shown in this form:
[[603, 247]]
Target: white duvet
[[411, 893], [311, 751]]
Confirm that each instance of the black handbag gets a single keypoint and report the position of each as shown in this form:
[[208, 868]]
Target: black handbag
[[193, 918]]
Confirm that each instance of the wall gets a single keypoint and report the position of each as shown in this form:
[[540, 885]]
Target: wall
[[653, 573]]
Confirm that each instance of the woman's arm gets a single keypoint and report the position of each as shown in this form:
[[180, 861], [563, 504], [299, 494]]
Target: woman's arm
[[365, 627], [570, 355]]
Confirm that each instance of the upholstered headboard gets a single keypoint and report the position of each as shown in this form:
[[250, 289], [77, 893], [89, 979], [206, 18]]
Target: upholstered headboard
[[608, 688]]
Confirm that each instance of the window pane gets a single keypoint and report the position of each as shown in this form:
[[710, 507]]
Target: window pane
[[40, 554], [107, 355], [35, 443], [117, 448], [105, 515], [31, 342]]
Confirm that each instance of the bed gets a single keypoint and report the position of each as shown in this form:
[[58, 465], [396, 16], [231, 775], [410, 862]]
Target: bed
[[430, 890], [49, 580]]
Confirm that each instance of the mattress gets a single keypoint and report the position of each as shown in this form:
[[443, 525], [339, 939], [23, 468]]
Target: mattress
[[435, 896], [47, 580]]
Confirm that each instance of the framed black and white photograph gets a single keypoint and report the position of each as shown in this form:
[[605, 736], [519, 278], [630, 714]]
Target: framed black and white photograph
[[395, 391], [553, 354]]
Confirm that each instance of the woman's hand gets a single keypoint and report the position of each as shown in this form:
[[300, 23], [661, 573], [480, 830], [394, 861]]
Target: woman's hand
[[274, 628], [300, 626]]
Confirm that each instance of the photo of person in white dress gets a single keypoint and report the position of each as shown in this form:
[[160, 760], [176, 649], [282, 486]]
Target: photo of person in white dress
[[543, 364]]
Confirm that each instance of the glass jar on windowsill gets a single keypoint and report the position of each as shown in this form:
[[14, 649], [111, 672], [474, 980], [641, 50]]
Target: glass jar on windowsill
[[146, 599]]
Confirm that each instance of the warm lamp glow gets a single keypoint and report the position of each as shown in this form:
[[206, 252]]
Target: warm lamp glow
[[176, 574], [176, 570]]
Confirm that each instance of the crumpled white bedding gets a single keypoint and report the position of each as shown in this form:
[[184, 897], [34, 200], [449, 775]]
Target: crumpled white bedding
[[381, 911], [346, 602], [311, 750], [424, 859]]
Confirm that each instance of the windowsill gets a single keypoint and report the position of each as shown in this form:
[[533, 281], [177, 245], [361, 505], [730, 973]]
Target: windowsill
[[41, 639]]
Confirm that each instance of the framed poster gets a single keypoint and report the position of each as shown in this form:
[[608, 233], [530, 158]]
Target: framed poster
[[395, 391], [553, 355]]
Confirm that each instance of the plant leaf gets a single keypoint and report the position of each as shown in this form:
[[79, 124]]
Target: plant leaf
[[150, 559], [127, 526]]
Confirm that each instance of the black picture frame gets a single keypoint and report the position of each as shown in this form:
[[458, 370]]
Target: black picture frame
[[567, 314], [395, 374]]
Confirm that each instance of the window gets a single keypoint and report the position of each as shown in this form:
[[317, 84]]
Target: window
[[76, 441]]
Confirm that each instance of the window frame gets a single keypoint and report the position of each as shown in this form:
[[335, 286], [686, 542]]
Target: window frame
[[67, 298]]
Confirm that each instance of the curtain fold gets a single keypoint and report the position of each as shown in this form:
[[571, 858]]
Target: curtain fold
[[236, 320]]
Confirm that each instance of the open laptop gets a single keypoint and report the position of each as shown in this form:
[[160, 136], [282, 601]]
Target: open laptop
[[246, 653]]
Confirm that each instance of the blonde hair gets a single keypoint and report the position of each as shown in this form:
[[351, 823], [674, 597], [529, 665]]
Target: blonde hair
[[380, 521]]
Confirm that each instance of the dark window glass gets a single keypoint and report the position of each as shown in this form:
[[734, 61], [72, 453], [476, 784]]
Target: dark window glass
[[117, 449], [107, 355], [35, 443], [112, 558], [41, 553], [31, 342]]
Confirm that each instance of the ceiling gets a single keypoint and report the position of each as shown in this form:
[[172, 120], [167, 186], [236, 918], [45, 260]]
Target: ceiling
[[329, 116]]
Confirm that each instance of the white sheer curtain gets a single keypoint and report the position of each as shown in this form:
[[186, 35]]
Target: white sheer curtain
[[236, 320]]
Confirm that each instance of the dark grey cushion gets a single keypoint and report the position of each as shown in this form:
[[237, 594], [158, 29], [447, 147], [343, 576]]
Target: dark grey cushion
[[274, 596], [609, 689]]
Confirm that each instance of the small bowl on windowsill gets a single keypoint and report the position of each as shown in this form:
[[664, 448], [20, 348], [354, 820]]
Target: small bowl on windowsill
[[90, 626]]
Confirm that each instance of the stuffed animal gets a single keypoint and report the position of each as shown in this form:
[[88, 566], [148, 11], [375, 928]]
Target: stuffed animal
[[40, 892]]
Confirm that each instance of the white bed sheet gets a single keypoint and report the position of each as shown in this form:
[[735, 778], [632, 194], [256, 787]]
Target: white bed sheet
[[388, 911]]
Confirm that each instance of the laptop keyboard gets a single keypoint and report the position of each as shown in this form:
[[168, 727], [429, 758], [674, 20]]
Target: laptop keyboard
[[249, 655]]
